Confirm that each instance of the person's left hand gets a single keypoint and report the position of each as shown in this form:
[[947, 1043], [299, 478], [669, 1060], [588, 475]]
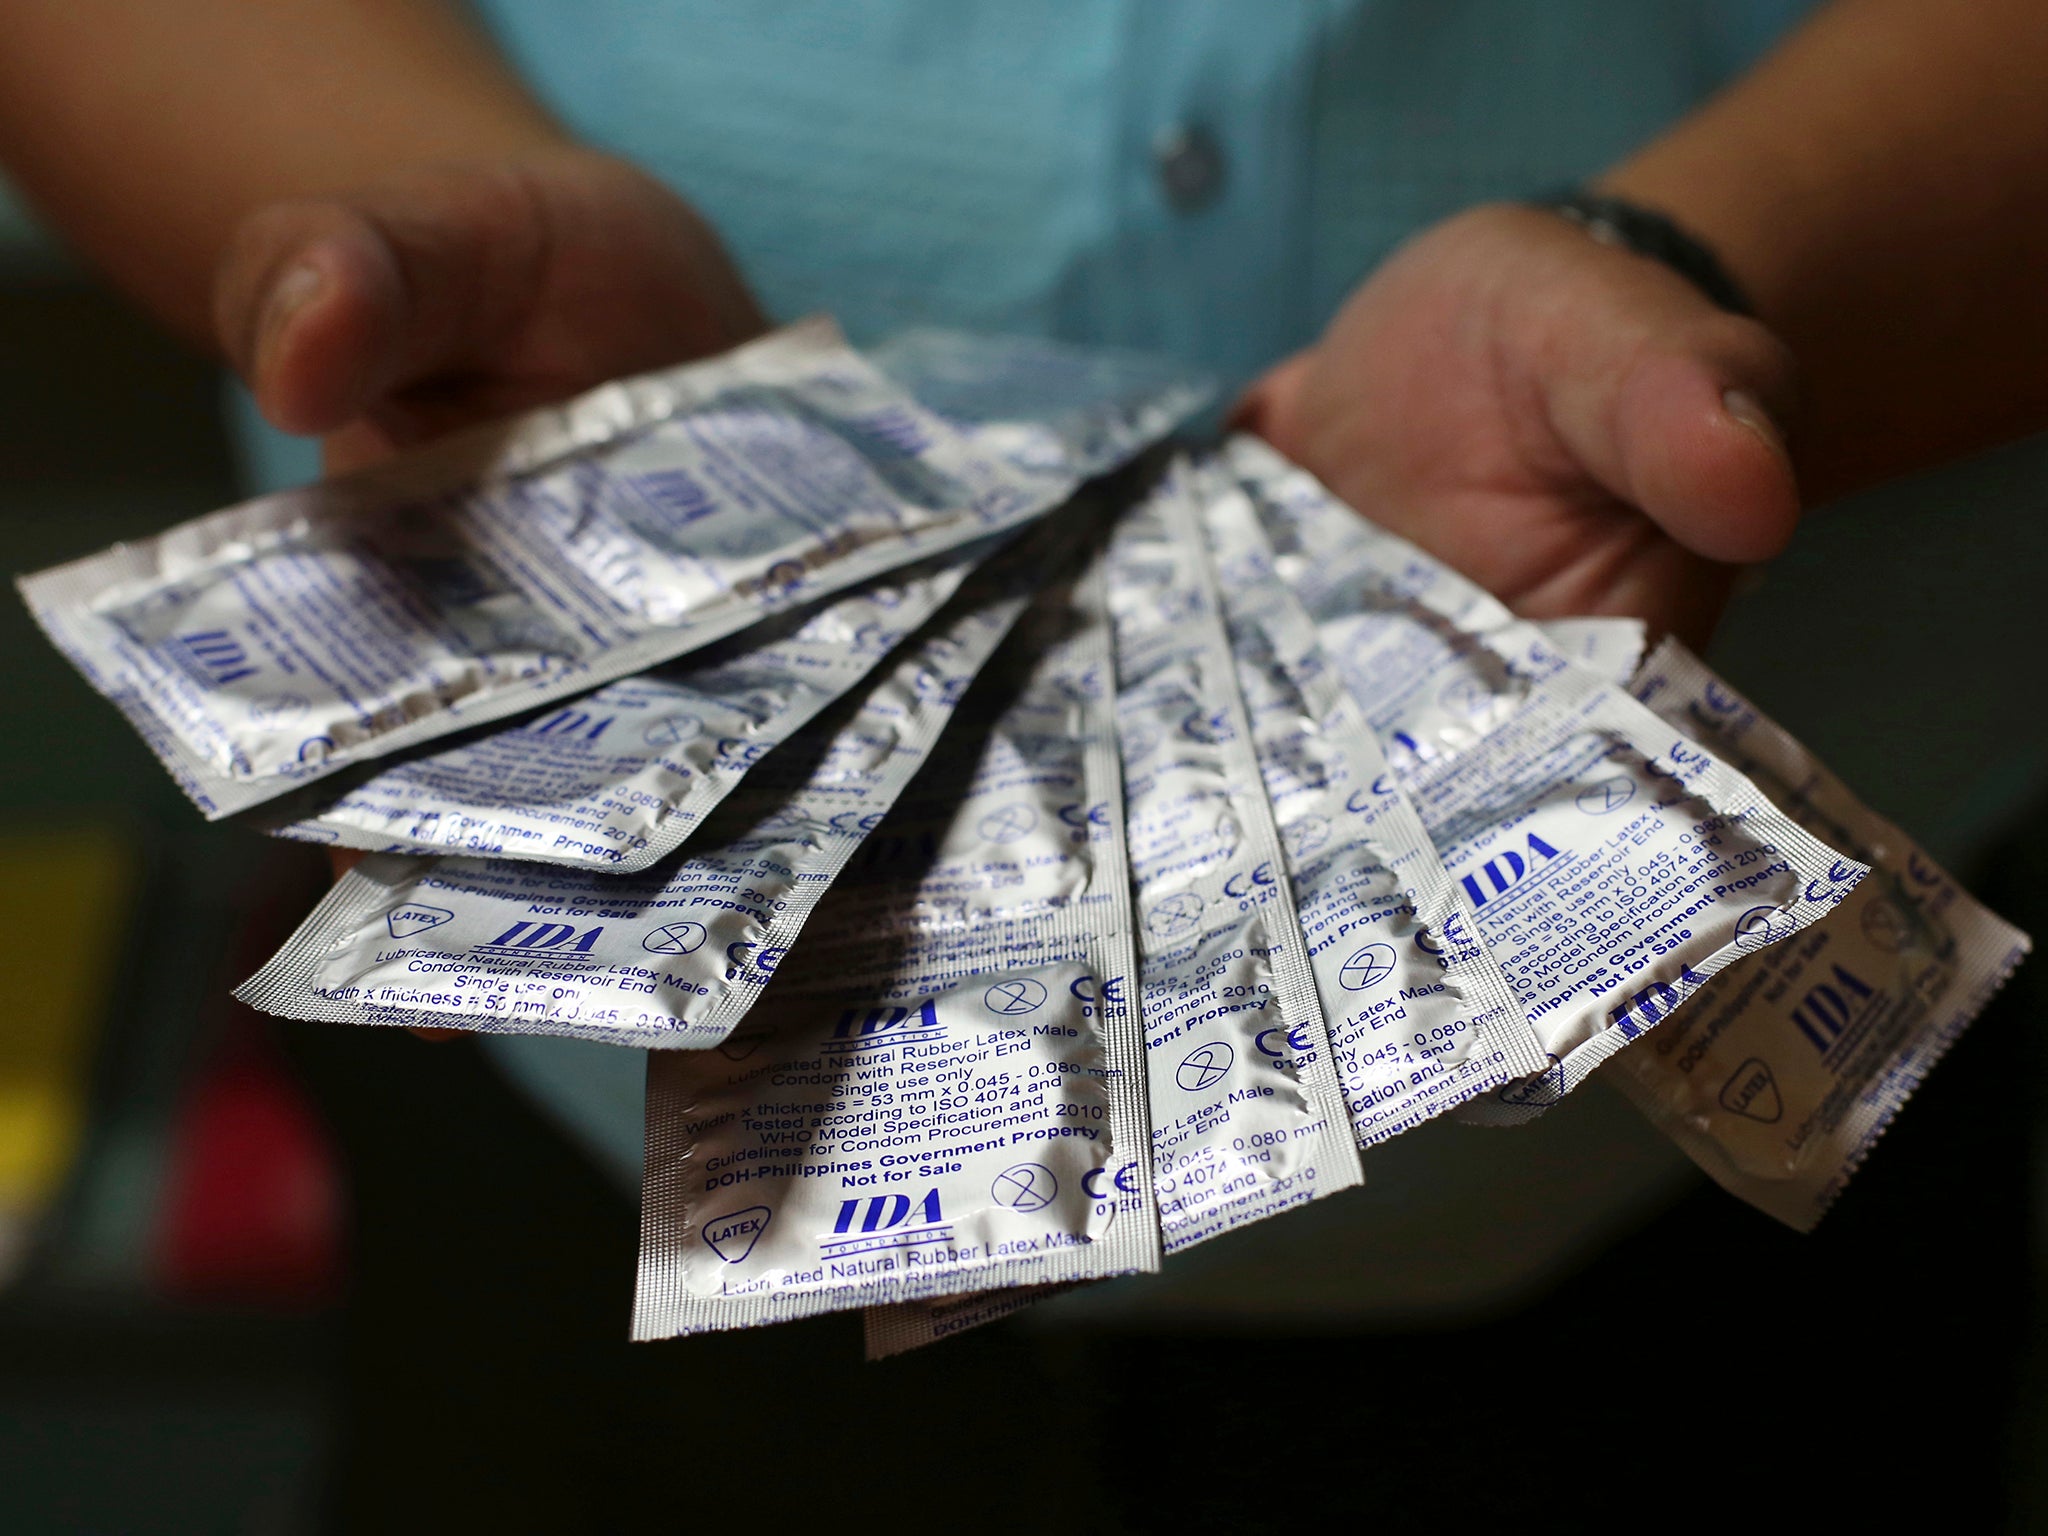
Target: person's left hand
[[1575, 427]]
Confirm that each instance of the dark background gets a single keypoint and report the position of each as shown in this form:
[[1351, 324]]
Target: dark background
[[422, 1327]]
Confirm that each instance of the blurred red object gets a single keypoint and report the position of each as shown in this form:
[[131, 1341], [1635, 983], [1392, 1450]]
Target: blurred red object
[[252, 1207]]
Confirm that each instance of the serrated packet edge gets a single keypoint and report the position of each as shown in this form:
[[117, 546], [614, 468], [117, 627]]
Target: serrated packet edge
[[1989, 949]]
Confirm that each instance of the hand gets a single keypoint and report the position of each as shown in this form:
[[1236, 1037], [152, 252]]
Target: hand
[[1573, 426], [453, 294]]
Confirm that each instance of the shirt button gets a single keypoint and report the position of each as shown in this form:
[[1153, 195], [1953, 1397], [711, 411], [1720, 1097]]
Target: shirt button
[[1190, 166]]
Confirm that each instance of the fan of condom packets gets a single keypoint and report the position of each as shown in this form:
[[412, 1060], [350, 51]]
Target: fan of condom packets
[[1018, 863]]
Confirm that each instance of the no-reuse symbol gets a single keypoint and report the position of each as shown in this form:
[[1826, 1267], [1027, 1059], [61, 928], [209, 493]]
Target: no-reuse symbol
[[1758, 926], [1368, 967], [1008, 824], [1025, 1187], [1010, 998], [1605, 795], [674, 939], [672, 731], [1175, 914], [1204, 1066]]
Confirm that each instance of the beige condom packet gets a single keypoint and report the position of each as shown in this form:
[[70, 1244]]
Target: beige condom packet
[[1780, 1076]]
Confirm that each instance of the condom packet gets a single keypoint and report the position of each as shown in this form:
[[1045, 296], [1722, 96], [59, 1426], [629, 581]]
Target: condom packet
[[1413, 1012], [1607, 645], [675, 955], [1248, 1116], [1044, 404], [620, 778], [507, 568], [945, 1089], [1418, 1023], [1612, 864], [1782, 1073], [1419, 1014], [898, 1329]]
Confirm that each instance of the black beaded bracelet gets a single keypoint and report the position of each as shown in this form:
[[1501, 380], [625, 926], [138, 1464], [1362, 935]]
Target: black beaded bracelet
[[1616, 221]]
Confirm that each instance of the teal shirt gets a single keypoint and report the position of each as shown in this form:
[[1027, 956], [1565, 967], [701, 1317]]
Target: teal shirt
[[996, 165], [1203, 178]]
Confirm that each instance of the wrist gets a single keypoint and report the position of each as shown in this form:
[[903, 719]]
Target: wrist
[[1628, 225], [1740, 214]]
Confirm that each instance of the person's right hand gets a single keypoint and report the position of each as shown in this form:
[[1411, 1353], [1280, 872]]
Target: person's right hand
[[454, 294], [449, 295]]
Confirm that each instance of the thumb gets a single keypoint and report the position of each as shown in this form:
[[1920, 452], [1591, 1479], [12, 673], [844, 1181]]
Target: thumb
[[1687, 429], [1267, 408], [327, 306]]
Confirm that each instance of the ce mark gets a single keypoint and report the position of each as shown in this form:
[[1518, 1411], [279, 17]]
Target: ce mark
[[1108, 994], [766, 961], [1239, 886], [1126, 1181], [1297, 1040], [1359, 801]]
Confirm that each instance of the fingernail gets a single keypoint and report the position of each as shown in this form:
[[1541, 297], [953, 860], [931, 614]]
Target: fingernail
[[290, 294], [1748, 411]]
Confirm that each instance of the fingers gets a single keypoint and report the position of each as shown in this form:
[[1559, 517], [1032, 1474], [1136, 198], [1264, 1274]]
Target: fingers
[[302, 307], [1700, 446], [1679, 410], [459, 293], [356, 446], [327, 306], [1634, 571]]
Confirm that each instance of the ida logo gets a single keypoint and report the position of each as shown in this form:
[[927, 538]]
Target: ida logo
[[577, 723], [212, 658], [1505, 870], [861, 1029], [733, 1235], [1638, 1011], [1829, 1007], [883, 1213], [529, 937]]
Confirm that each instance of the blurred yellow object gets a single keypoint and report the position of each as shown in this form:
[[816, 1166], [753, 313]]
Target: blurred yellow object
[[62, 900]]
